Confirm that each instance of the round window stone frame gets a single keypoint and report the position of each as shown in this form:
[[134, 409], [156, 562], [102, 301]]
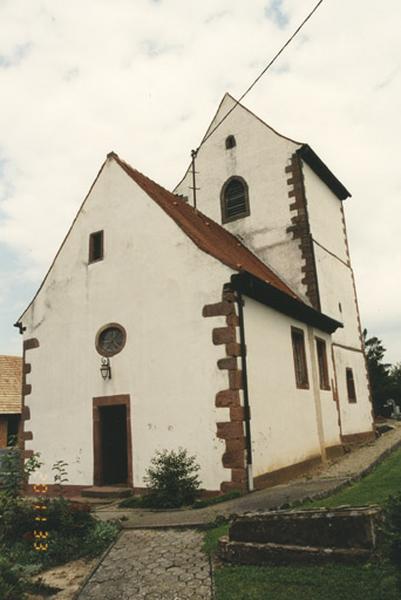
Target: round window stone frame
[[101, 350]]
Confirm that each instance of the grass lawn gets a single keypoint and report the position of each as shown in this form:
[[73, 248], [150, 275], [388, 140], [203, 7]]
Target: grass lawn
[[375, 488], [331, 582]]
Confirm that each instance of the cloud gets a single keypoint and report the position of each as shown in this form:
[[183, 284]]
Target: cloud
[[275, 11], [15, 56], [144, 78]]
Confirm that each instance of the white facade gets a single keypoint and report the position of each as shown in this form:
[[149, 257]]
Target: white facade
[[284, 419], [155, 281], [260, 158]]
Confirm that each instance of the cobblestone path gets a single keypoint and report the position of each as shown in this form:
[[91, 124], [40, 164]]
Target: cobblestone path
[[152, 565]]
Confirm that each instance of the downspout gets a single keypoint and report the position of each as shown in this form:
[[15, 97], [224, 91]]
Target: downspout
[[247, 414]]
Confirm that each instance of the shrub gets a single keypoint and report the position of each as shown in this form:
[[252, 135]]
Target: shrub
[[392, 529], [171, 479], [16, 518], [73, 531], [12, 584], [15, 471]]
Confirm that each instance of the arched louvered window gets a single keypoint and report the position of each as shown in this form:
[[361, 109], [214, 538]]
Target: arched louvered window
[[234, 200], [230, 142]]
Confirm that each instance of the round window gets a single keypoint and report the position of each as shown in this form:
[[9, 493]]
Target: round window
[[110, 339]]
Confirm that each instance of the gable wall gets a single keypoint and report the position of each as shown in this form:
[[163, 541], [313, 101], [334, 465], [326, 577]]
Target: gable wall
[[154, 282], [260, 157]]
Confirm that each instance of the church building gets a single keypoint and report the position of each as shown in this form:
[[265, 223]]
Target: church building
[[230, 328]]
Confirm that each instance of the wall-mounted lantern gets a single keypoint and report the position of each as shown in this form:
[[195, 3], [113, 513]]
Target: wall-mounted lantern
[[105, 368]]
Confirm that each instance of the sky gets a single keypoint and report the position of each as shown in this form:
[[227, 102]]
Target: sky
[[79, 79]]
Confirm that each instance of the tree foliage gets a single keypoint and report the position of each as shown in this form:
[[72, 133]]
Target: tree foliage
[[395, 382], [385, 379]]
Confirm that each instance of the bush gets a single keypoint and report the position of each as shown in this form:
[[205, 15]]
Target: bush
[[12, 584], [392, 529], [15, 471], [73, 531], [391, 532], [171, 479], [16, 518]]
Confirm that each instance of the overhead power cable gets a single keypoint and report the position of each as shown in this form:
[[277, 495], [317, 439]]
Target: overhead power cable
[[273, 60]]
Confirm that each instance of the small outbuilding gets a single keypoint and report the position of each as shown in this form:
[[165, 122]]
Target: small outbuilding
[[10, 398]]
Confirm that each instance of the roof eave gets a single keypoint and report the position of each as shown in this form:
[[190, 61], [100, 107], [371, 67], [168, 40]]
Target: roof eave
[[317, 165], [267, 294]]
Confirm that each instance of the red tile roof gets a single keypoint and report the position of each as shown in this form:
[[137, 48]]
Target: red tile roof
[[10, 384], [208, 235]]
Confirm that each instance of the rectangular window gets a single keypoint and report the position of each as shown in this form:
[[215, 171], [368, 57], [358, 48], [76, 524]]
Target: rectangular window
[[322, 362], [298, 347], [96, 246], [350, 385]]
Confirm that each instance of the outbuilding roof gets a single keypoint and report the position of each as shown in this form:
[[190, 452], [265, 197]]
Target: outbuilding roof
[[10, 384]]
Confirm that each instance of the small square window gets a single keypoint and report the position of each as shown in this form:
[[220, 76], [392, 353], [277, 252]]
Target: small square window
[[298, 347], [96, 246], [322, 362], [350, 385]]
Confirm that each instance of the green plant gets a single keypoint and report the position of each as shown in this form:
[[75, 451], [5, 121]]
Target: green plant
[[13, 585], [72, 531], [60, 475], [212, 537], [131, 502], [16, 472], [391, 532], [216, 499], [171, 479], [374, 488], [16, 518]]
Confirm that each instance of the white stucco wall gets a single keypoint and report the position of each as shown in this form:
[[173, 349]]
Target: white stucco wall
[[356, 417], [325, 217], [284, 424], [260, 157], [337, 295], [154, 282]]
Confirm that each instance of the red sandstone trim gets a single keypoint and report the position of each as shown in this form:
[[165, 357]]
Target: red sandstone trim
[[358, 438], [54, 490], [24, 435], [110, 401], [286, 473], [232, 431], [300, 229]]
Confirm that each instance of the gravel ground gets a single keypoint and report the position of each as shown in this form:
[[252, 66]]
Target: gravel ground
[[355, 463]]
